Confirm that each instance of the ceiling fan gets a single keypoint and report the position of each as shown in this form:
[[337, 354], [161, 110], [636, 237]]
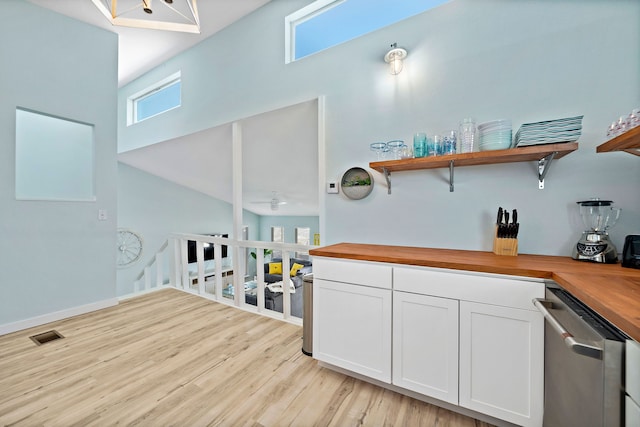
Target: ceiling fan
[[275, 201]]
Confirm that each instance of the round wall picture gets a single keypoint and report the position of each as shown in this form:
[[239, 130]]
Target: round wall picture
[[356, 183], [129, 247]]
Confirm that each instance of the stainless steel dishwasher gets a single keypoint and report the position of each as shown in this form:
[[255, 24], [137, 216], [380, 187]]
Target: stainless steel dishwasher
[[584, 360]]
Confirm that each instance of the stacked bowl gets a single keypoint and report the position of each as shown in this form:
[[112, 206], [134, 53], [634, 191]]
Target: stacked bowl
[[495, 135]]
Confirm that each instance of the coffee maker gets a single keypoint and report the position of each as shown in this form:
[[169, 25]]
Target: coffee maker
[[594, 245]]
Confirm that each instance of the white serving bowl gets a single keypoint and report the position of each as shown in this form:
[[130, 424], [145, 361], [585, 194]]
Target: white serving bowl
[[490, 146]]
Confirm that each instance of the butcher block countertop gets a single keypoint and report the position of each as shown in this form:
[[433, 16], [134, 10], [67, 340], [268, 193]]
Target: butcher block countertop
[[609, 289]]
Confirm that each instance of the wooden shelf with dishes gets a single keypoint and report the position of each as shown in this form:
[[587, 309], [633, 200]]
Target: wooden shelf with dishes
[[543, 154], [628, 142]]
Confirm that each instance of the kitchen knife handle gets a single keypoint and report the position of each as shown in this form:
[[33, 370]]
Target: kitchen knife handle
[[499, 220], [514, 220]]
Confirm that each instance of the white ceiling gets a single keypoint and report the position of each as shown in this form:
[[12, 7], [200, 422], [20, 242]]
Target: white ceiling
[[280, 147], [140, 50], [280, 153]]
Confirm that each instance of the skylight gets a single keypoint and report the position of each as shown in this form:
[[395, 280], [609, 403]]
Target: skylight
[[327, 23]]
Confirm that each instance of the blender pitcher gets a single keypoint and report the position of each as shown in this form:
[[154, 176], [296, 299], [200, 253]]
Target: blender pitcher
[[594, 245]]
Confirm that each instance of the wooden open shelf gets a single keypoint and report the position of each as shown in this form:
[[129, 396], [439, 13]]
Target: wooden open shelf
[[628, 141], [543, 154], [522, 154]]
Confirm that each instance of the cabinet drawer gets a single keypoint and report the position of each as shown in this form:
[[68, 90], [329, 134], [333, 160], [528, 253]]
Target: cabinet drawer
[[357, 272], [489, 289]]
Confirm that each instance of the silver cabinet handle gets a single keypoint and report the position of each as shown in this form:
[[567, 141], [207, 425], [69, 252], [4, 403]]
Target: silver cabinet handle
[[577, 347]]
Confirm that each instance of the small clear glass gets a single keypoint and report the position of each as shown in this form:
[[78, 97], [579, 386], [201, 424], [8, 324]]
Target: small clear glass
[[449, 142], [394, 147], [611, 131], [436, 147], [467, 135], [621, 126], [634, 118], [380, 148], [406, 152]]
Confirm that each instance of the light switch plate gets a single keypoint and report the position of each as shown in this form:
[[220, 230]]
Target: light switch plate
[[102, 214], [332, 187]]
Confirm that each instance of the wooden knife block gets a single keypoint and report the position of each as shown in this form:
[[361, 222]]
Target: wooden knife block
[[502, 246]]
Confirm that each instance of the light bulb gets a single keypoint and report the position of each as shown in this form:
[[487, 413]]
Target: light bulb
[[394, 58], [396, 65]]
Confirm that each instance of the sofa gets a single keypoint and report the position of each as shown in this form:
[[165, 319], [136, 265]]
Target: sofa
[[273, 300]]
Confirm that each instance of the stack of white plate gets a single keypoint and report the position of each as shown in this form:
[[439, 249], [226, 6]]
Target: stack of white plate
[[549, 132], [494, 135]]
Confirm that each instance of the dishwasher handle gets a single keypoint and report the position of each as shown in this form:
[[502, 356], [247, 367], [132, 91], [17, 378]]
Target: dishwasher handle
[[577, 347]]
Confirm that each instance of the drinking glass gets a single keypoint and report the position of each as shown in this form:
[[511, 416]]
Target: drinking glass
[[405, 152], [419, 144], [395, 146], [634, 118], [380, 148], [621, 126], [467, 135], [436, 146], [611, 131], [449, 146]]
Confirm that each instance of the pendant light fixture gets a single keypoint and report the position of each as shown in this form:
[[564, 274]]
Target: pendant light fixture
[[394, 58], [169, 15]]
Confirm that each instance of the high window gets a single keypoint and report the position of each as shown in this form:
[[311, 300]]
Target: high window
[[161, 97], [303, 237], [326, 23], [277, 235]]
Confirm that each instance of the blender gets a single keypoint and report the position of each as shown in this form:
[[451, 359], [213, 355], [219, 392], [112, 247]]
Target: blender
[[594, 245]]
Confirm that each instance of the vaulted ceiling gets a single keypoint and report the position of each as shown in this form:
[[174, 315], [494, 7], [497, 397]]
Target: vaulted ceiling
[[140, 50], [202, 161]]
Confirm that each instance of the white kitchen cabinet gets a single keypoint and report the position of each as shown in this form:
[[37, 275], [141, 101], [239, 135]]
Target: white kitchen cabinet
[[352, 321], [469, 339], [425, 345], [502, 362], [632, 383], [632, 412]]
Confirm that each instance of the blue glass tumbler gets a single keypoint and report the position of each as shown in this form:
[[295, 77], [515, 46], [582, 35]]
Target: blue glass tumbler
[[419, 144]]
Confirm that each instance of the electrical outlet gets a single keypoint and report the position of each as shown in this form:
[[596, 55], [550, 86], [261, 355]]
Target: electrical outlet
[[332, 187]]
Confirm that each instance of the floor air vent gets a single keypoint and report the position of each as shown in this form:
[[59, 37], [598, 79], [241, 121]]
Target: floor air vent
[[46, 337]]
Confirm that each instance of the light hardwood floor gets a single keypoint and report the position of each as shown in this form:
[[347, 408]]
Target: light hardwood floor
[[174, 359]]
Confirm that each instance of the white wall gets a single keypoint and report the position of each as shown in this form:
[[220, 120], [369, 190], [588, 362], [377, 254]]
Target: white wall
[[56, 256], [524, 60]]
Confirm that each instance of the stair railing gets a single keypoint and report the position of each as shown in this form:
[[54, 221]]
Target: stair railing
[[228, 287], [146, 276]]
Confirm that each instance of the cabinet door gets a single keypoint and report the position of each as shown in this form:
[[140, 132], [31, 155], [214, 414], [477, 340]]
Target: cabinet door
[[502, 362], [632, 371], [352, 327], [425, 345], [632, 412]]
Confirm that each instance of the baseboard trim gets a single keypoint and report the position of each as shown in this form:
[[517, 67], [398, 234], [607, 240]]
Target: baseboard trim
[[143, 292], [20, 325]]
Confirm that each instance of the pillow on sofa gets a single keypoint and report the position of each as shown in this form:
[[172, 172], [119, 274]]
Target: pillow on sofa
[[275, 268], [294, 269]]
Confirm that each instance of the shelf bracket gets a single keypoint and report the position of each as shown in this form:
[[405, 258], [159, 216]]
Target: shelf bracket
[[543, 167], [451, 176], [386, 176]]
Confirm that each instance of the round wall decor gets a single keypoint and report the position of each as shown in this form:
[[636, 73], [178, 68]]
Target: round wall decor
[[129, 247], [356, 183]]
